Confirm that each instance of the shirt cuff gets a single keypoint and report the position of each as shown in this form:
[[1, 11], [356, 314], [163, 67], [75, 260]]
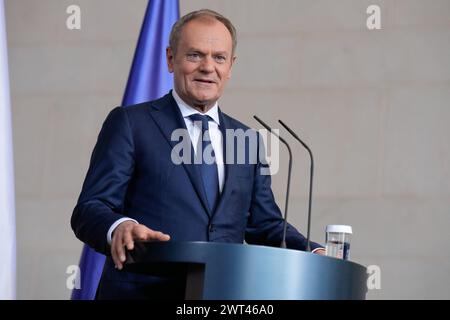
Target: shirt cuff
[[114, 226], [316, 249]]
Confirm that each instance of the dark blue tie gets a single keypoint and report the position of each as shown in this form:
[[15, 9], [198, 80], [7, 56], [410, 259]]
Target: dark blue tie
[[208, 170]]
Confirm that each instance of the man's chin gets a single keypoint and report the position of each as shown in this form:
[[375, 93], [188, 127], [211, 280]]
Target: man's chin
[[205, 101]]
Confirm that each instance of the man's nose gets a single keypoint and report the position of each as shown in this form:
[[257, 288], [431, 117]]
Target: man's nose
[[207, 65]]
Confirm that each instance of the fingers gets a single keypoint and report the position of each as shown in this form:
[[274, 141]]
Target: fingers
[[118, 252], [124, 237], [320, 251], [142, 233], [121, 238], [128, 240], [114, 252]]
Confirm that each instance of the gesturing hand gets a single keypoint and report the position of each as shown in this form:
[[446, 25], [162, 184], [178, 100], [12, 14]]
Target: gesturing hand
[[320, 251], [124, 236]]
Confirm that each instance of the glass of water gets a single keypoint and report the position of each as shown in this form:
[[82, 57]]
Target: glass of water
[[338, 241]]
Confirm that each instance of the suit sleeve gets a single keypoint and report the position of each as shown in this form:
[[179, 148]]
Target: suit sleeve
[[102, 197], [265, 225]]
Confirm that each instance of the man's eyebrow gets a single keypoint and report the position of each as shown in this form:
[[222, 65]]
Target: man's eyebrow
[[221, 52], [192, 49]]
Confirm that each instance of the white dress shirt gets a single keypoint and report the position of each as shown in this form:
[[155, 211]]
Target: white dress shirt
[[196, 130]]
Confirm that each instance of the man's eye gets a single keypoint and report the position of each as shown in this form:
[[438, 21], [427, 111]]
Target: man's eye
[[221, 59], [193, 56]]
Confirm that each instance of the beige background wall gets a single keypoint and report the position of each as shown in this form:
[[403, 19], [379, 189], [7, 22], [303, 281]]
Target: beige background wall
[[373, 105]]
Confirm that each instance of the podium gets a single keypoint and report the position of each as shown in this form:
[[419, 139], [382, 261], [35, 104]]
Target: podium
[[226, 271]]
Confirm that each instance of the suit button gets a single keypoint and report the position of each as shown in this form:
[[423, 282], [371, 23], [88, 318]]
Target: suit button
[[211, 228]]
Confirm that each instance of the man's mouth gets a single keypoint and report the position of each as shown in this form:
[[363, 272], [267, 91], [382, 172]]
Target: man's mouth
[[205, 81]]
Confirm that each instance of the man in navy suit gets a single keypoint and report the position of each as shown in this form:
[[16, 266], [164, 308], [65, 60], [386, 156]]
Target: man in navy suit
[[136, 190]]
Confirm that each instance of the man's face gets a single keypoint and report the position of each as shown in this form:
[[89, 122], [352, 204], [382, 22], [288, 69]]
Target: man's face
[[202, 63]]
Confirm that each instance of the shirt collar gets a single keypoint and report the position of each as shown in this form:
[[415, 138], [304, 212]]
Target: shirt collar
[[187, 110]]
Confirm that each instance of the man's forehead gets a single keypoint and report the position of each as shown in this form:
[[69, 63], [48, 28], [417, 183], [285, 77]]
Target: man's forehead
[[209, 39], [205, 39], [197, 41], [206, 45], [206, 30]]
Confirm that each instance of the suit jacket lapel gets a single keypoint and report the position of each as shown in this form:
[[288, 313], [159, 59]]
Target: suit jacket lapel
[[168, 118], [229, 167]]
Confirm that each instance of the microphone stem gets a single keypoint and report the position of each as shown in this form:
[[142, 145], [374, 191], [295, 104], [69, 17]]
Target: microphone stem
[[283, 241], [308, 244]]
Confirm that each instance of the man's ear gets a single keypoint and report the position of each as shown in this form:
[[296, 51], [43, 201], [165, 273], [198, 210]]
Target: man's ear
[[169, 58], [231, 67]]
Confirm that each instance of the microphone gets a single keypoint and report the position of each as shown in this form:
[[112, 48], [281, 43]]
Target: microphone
[[283, 241], [311, 174]]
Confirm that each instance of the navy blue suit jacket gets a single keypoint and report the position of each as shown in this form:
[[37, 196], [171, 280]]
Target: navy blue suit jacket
[[131, 174]]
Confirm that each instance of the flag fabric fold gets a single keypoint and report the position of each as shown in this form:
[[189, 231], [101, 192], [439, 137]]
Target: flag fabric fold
[[7, 202], [149, 79]]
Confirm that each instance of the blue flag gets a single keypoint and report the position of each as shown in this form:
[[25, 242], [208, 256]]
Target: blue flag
[[149, 79]]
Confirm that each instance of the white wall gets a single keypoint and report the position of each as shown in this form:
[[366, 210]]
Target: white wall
[[373, 105]]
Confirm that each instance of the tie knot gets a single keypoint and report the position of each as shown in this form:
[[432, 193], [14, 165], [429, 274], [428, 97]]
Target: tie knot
[[201, 118]]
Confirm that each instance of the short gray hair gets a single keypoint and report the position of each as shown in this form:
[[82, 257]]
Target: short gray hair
[[203, 13]]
